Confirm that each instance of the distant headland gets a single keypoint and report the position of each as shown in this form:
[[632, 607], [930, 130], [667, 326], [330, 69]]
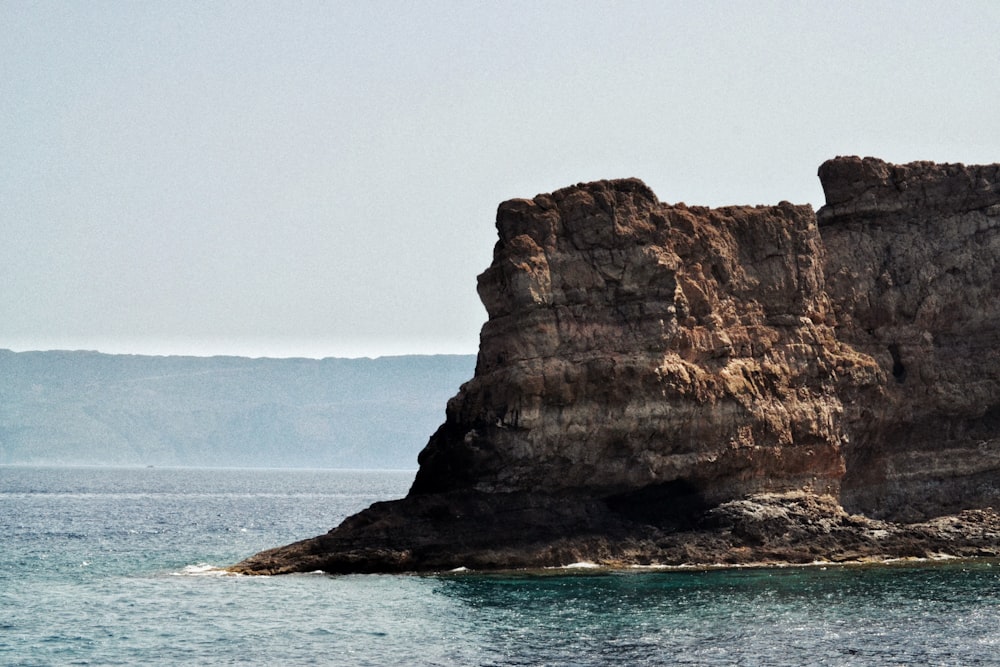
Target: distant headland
[[677, 385], [88, 408]]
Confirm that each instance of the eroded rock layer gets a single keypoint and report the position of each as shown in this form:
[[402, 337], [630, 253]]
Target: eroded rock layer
[[633, 344], [913, 273], [671, 384]]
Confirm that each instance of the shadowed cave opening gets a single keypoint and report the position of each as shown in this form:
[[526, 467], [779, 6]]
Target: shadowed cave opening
[[677, 504], [898, 369]]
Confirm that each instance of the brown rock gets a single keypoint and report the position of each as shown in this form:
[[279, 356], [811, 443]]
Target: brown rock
[[632, 344], [672, 384], [915, 283]]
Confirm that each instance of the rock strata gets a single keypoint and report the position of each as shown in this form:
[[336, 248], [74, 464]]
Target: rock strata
[[913, 273], [665, 384]]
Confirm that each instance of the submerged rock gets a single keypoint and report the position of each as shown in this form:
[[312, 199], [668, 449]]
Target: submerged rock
[[669, 384]]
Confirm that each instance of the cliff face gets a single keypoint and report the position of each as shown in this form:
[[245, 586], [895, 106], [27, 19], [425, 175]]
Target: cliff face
[[913, 273], [636, 346], [663, 383]]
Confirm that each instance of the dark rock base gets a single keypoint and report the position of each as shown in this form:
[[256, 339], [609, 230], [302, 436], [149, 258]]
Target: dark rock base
[[441, 532]]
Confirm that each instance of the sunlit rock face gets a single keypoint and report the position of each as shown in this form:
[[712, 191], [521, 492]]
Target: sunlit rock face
[[665, 384], [636, 344], [720, 352], [913, 274]]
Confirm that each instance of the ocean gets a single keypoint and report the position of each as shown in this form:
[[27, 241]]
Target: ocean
[[120, 566]]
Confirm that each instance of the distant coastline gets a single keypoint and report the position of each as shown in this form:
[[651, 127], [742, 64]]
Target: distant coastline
[[91, 408]]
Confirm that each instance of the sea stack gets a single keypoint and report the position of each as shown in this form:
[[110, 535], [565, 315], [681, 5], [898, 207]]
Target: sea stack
[[665, 384]]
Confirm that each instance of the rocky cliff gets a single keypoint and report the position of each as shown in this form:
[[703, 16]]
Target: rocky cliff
[[913, 273], [669, 384]]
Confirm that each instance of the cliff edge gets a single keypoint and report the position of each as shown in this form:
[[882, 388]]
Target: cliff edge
[[665, 384]]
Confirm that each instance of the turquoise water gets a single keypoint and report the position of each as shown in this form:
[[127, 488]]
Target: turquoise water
[[115, 566]]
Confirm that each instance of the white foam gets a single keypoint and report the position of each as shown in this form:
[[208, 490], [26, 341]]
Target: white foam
[[204, 570], [582, 565]]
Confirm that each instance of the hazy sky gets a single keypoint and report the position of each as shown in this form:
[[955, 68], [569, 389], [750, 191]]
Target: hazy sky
[[321, 178]]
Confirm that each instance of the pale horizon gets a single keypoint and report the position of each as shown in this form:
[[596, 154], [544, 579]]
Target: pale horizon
[[242, 349]]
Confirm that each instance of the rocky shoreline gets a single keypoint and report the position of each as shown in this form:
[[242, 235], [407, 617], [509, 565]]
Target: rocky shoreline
[[795, 528], [671, 385]]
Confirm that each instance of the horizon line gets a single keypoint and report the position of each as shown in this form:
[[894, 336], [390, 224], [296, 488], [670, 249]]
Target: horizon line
[[235, 353]]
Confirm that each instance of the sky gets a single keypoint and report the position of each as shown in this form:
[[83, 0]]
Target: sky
[[316, 179]]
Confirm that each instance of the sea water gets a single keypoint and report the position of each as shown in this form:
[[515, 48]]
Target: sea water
[[104, 566]]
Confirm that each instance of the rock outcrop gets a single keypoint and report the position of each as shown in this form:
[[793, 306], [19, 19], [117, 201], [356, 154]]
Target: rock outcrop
[[670, 384], [913, 273]]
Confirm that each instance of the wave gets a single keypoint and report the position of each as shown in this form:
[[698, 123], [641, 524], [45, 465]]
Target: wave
[[204, 570], [582, 565]]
